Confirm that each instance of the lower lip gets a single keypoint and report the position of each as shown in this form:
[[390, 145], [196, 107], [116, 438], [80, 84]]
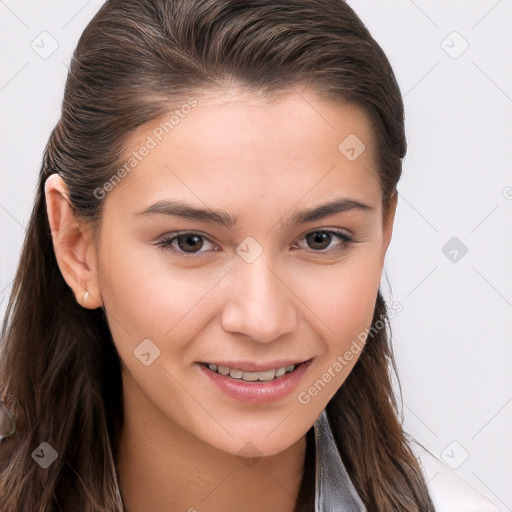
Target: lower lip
[[257, 392]]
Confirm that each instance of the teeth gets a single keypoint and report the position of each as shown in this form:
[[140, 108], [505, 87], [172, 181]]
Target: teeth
[[268, 375], [264, 376], [280, 372], [251, 376], [236, 374]]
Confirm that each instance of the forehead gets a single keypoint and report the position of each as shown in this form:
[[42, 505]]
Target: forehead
[[231, 145]]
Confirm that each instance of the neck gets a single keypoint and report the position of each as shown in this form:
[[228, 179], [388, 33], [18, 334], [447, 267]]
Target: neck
[[164, 468]]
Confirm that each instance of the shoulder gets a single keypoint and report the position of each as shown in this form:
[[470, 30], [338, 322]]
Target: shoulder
[[449, 491]]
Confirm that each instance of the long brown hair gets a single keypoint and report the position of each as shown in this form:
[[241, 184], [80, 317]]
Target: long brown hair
[[60, 372]]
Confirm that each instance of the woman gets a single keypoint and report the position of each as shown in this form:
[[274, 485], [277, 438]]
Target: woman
[[196, 321]]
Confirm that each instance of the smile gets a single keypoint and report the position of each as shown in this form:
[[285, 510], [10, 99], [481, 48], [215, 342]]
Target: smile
[[255, 383], [261, 376]]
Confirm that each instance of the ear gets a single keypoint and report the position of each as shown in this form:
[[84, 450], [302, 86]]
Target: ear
[[388, 222], [73, 244]]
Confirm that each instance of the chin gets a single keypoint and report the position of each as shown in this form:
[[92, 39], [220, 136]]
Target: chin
[[263, 440]]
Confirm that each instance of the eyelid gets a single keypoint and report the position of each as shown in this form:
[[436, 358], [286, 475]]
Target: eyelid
[[336, 231], [165, 242], [345, 238]]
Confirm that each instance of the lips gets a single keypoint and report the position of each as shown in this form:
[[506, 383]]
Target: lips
[[257, 389]]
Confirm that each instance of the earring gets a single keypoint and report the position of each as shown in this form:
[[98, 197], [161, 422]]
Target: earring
[[85, 296]]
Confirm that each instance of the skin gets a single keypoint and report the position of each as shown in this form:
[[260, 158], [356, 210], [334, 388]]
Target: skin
[[261, 160]]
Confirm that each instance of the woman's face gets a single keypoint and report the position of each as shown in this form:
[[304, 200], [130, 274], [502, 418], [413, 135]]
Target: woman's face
[[265, 277]]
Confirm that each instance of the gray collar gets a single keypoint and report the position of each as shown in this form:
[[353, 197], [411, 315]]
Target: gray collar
[[334, 491]]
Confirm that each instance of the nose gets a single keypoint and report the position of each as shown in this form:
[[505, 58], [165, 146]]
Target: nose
[[260, 303]]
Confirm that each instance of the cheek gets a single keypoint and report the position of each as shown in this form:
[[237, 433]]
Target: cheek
[[140, 291], [147, 298], [356, 301], [345, 309], [344, 296]]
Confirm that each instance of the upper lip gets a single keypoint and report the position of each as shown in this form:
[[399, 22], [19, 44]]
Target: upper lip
[[251, 366]]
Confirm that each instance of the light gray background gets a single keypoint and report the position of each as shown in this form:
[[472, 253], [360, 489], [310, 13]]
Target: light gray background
[[452, 339]]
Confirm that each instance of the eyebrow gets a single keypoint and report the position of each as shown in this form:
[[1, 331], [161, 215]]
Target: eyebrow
[[186, 211]]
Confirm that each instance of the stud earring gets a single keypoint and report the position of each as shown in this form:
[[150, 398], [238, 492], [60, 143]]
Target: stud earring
[[85, 296]]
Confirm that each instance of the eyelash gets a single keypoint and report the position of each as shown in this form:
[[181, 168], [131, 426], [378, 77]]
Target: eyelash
[[166, 243]]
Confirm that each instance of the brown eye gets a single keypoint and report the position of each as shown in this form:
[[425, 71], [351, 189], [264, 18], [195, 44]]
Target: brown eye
[[325, 240], [189, 243], [319, 240]]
